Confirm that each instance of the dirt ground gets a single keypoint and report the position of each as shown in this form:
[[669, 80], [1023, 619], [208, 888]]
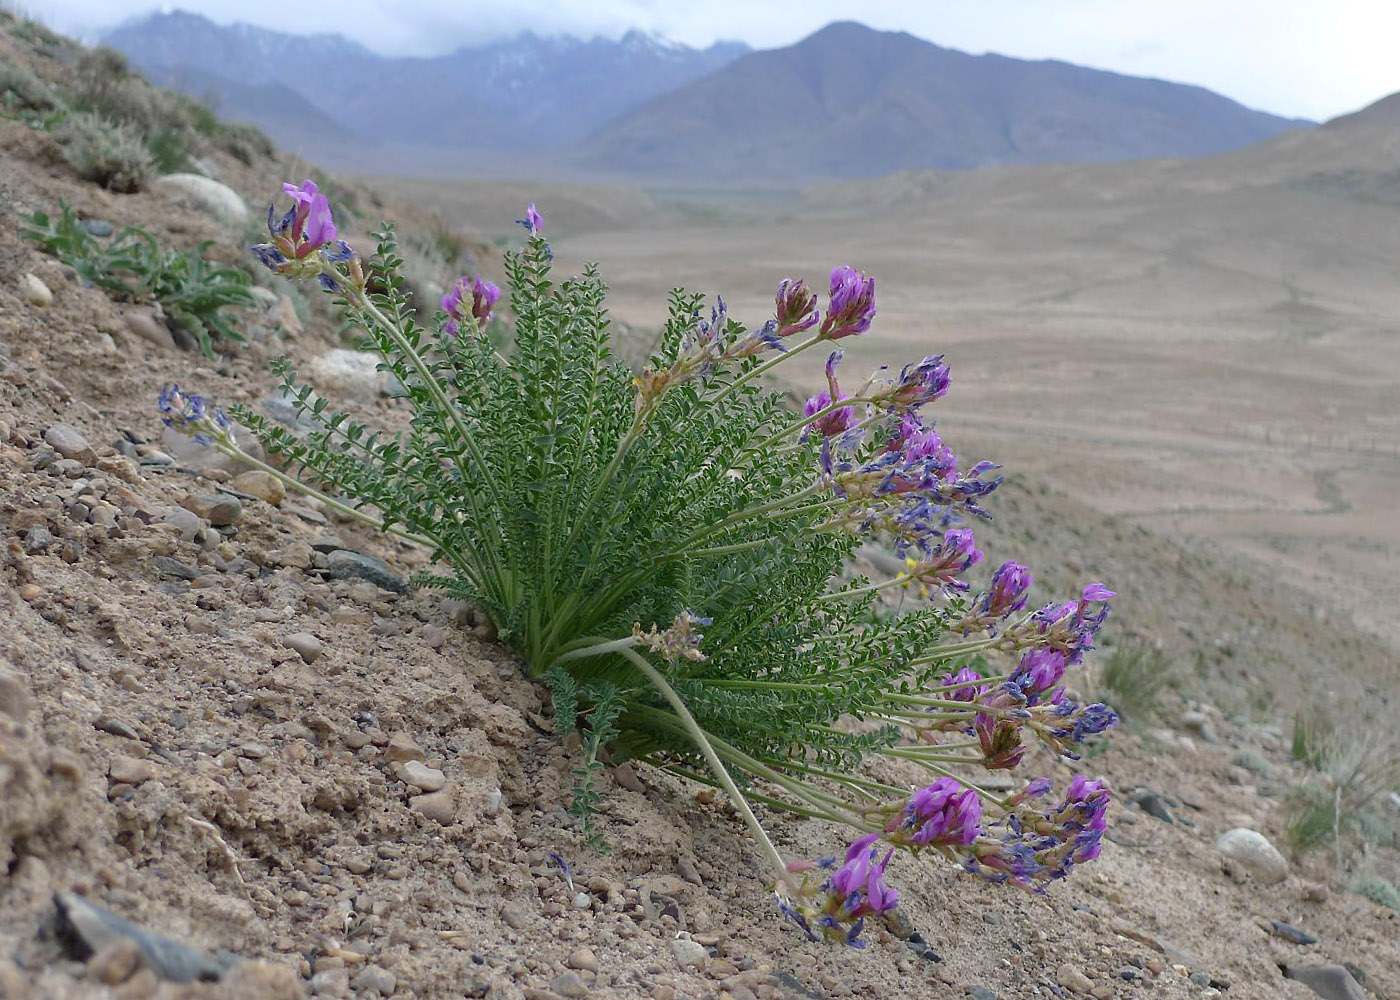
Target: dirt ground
[[206, 732]]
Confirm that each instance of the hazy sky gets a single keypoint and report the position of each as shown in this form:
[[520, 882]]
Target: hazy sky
[[1305, 58]]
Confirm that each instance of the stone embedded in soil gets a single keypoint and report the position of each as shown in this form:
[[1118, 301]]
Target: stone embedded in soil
[[14, 696], [1154, 805], [418, 774], [143, 322], [1290, 933], [88, 929], [263, 485], [689, 954], [1072, 979], [37, 540], [35, 292], [131, 770], [438, 806], [343, 564], [569, 984], [306, 645], [349, 375], [1254, 853], [1331, 982], [219, 509], [583, 959], [515, 916], [374, 977], [69, 442], [175, 569], [219, 200], [402, 747], [981, 993]]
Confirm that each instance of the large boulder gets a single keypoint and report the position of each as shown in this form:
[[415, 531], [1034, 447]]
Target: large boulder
[[219, 200]]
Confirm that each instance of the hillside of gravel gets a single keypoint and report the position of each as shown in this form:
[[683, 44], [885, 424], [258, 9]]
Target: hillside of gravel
[[239, 759]]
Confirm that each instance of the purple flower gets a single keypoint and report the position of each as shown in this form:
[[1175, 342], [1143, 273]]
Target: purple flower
[[1000, 738], [837, 421], [858, 885], [1097, 592], [967, 677], [1042, 847], [942, 814], [190, 414], [304, 241], [1038, 672], [796, 307], [955, 553], [680, 641], [483, 295], [918, 384], [532, 221], [851, 306], [1010, 585]]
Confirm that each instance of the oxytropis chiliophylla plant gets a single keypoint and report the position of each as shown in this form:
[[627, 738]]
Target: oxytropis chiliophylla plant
[[662, 551]]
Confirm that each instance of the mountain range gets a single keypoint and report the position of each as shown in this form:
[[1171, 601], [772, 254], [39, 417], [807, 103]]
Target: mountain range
[[846, 102]]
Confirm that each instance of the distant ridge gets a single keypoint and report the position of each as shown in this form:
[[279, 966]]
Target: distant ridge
[[524, 93], [849, 101], [846, 102]]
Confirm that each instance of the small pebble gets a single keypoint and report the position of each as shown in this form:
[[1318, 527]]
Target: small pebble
[[689, 954], [569, 984], [263, 485], [1071, 978], [304, 644], [418, 774], [69, 442], [583, 959], [35, 292]]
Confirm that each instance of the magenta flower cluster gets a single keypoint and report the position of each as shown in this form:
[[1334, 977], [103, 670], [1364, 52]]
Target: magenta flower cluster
[[304, 242], [469, 302]]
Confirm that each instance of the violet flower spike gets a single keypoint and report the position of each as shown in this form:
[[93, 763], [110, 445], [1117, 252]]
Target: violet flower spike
[[852, 304], [481, 293], [837, 421], [532, 221], [796, 307]]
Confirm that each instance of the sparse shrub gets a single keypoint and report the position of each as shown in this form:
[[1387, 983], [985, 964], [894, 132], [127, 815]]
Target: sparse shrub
[[1375, 887], [169, 149], [246, 143], [104, 153], [24, 93], [1312, 731], [1131, 677], [1355, 768], [660, 548], [193, 291]]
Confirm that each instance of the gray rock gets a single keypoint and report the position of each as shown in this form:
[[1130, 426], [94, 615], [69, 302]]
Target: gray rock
[[69, 442], [190, 453], [373, 977], [569, 984], [1331, 982], [981, 993], [87, 928], [189, 523], [38, 539], [343, 564], [1199, 723], [1253, 852], [689, 953], [305, 644], [1290, 933], [219, 200], [219, 509], [100, 228], [1154, 805], [145, 323], [349, 375], [174, 568]]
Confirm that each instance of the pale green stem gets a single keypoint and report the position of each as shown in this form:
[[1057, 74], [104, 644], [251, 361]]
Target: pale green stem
[[806, 421], [767, 366], [716, 765], [868, 589], [937, 769]]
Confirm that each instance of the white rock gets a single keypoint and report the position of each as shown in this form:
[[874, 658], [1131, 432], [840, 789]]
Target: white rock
[[1254, 853], [349, 375], [689, 953], [35, 292], [420, 775], [219, 200]]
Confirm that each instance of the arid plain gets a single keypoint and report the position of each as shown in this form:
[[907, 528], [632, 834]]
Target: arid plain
[[1207, 348]]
